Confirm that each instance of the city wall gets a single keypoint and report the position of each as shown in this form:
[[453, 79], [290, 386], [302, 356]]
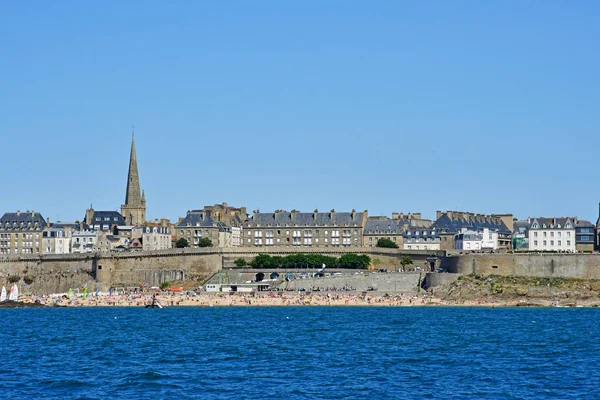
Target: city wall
[[529, 264], [58, 273]]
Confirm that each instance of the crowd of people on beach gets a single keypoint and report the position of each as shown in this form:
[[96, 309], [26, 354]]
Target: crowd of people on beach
[[203, 299]]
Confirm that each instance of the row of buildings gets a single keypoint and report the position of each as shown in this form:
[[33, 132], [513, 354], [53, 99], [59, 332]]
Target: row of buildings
[[23, 233]]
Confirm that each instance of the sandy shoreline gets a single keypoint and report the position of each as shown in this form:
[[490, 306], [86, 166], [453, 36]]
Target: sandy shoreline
[[288, 300]]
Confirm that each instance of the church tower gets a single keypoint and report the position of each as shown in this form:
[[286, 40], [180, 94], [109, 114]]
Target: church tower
[[134, 209]]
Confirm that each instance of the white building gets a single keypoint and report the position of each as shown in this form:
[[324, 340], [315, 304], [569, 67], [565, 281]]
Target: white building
[[470, 240], [84, 241], [156, 238], [420, 239], [552, 234], [56, 241], [236, 236]]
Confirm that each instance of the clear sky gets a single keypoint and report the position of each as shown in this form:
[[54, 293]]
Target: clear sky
[[481, 106]]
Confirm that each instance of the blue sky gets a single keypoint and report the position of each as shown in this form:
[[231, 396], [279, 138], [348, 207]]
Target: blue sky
[[488, 107]]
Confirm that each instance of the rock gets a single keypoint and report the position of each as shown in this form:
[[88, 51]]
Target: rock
[[21, 304]]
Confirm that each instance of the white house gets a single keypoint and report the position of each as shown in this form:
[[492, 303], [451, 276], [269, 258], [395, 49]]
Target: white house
[[56, 241], [552, 234], [84, 241], [476, 240]]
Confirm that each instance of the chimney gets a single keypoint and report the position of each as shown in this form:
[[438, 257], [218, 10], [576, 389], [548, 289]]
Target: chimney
[[353, 214], [315, 213], [438, 214], [18, 213], [450, 214], [395, 215], [331, 213], [48, 221]]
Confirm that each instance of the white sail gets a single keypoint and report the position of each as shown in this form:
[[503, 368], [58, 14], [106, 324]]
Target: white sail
[[3, 294], [14, 293]]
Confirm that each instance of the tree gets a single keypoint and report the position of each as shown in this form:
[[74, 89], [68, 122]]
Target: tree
[[240, 262], [205, 242], [387, 243], [164, 285], [182, 243], [406, 260], [262, 261], [354, 261]]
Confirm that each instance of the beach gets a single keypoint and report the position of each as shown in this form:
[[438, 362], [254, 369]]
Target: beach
[[278, 299]]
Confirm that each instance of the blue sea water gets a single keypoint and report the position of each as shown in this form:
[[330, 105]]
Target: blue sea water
[[297, 353]]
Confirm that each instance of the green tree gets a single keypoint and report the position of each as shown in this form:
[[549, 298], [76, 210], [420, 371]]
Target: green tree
[[387, 243], [240, 262], [164, 285], [406, 260], [356, 261], [182, 243], [205, 242], [262, 261]]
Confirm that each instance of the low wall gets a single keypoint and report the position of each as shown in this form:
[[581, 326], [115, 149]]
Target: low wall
[[433, 279], [529, 264]]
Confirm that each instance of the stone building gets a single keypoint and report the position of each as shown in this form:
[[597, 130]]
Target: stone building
[[102, 220], [134, 209], [383, 228], [221, 223], [552, 234], [297, 229], [421, 239], [411, 220], [449, 223], [21, 233]]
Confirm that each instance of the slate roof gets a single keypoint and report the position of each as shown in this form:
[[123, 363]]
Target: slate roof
[[551, 223], [287, 218], [114, 218], [521, 227], [22, 221], [477, 223], [422, 232], [198, 219], [384, 226], [583, 223]]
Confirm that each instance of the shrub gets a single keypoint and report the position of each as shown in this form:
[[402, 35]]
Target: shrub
[[240, 262], [14, 279], [387, 243], [164, 285], [28, 279], [181, 243]]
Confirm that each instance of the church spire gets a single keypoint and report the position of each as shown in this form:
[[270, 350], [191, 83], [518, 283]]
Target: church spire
[[132, 196]]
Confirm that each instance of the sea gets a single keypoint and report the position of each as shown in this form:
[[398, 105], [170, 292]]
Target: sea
[[300, 353]]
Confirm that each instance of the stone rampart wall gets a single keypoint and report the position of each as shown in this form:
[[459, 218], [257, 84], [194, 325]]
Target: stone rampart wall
[[530, 264]]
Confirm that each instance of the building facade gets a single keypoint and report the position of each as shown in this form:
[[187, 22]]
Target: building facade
[[102, 220], [383, 228], [196, 225], [56, 241], [421, 239], [297, 229], [21, 233], [450, 223], [552, 234], [469, 240], [156, 238], [584, 236], [134, 209], [84, 241]]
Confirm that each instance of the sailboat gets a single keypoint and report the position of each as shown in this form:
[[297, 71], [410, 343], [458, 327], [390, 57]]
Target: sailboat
[[14, 293], [3, 295]]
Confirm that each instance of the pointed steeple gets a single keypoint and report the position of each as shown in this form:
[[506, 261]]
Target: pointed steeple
[[134, 209], [132, 196]]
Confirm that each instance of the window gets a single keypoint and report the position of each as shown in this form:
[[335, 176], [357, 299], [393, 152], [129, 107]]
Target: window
[[534, 234], [568, 242], [552, 234], [568, 234], [559, 243], [552, 243], [545, 234], [544, 243], [535, 242], [559, 234]]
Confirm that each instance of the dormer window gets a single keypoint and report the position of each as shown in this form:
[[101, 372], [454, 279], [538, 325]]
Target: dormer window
[[568, 226], [544, 226], [559, 226]]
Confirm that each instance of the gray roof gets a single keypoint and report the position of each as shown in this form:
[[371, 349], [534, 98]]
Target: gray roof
[[521, 227], [583, 223], [421, 232], [384, 226], [551, 223], [22, 221], [476, 223], [196, 218], [296, 218]]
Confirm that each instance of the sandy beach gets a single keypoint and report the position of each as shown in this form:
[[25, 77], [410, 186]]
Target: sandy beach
[[275, 299]]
